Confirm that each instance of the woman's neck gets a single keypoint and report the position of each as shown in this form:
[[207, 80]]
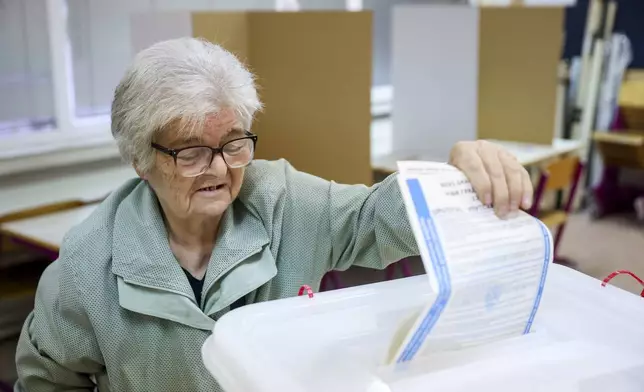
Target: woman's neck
[[192, 240]]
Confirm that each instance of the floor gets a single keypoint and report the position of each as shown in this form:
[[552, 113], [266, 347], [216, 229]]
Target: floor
[[603, 246], [598, 247]]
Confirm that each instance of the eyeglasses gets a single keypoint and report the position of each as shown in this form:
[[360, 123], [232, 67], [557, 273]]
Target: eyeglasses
[[195, 160]]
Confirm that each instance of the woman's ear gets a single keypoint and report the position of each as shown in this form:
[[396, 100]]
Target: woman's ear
[[140, 172]]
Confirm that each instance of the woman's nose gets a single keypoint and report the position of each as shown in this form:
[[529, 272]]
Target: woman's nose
[[218, 166]]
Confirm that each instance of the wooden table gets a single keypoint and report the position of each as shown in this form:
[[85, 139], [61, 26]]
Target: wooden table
[[527, 154], [621, 149], [46, 232], [37, 210]]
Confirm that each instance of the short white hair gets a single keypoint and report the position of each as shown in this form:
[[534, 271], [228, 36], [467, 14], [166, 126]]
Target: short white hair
[[177, 84]]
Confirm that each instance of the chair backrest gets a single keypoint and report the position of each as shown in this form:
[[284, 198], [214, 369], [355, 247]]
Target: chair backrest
[[564, 173], [561, 173]]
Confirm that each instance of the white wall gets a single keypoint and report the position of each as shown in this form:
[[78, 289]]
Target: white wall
[[382, 16], [322, 4], [435, 74]]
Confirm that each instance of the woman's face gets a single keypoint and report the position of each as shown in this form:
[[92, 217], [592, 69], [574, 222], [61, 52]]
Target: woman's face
[[208, 194]]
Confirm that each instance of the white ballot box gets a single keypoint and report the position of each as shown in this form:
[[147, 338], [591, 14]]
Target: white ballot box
[[585, 338]]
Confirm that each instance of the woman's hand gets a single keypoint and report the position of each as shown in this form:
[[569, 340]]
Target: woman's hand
[[496, 175]]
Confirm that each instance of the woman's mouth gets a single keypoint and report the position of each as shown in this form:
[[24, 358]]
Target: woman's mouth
[[213, 188]]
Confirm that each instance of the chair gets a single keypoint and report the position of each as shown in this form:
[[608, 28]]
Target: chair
[[390, 272], [330, 278], [559, 175], [4, 387]]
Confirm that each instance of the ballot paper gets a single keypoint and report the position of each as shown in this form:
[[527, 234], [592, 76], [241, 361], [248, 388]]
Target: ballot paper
[[488, 273]]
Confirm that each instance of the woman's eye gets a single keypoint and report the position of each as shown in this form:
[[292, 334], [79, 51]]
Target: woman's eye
[[187, 156], [234, 147]]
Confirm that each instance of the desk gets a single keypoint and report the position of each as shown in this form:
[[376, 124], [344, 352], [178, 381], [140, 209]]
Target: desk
[[87, 185], [527, 154], [534, 154], [621, 149], [47, 231]]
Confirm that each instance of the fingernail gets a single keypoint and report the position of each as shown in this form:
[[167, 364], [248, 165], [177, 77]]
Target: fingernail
[[527, 202], [488, 199], [502, 212]]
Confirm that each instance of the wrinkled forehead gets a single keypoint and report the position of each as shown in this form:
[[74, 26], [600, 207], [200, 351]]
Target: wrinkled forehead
[[209, 130]]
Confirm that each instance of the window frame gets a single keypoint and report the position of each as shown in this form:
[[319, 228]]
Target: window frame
[[31, 149]]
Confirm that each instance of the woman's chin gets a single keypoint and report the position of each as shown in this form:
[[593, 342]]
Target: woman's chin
[[213, 209]]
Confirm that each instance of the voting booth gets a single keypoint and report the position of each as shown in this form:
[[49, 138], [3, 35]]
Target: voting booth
[[313, 74], [586, 338], [466, 73]]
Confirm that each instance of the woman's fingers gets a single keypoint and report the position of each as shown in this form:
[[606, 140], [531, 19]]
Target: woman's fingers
[[496, 172], [514, 180], [528, 190], [496, 176], [475, 171]]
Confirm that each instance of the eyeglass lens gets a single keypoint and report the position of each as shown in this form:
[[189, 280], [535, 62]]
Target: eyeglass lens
[[192, 162]]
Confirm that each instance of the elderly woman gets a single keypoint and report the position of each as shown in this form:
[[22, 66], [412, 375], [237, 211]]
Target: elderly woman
[[140, 284]]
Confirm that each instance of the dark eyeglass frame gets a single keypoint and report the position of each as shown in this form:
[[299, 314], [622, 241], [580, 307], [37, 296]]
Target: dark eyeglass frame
[[218, 150]]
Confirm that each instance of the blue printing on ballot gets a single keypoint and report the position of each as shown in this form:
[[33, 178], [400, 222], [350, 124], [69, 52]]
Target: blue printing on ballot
[[440, 269], [544, 271], [439, 266]]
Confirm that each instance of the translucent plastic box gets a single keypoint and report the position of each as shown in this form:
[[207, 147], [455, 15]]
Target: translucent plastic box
[[586, 338]]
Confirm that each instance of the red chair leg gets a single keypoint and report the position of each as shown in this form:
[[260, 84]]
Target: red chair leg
[[557, 240], [538, 195], [331, 278], [555, 247], [390, 271], [568, 207], [324, 282], [335, 279], [406, 269]]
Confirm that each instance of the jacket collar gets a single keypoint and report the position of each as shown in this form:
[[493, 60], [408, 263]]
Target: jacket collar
[[162, 304], [141, 253], [246, 277], [249, 275]]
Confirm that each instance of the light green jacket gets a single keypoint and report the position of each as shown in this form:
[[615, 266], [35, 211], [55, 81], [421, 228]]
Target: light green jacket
[[117, 308]]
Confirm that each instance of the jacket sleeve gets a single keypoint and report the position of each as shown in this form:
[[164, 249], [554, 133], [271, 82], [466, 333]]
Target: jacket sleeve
[[368, 226], [56, 350]]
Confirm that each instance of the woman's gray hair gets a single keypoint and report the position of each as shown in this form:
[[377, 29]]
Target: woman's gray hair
[[177, 84]]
